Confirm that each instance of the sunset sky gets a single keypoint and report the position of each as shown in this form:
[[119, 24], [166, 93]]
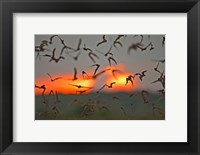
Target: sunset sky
[[136, 62]]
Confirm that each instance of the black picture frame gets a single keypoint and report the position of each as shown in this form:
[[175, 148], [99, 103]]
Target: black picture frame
[[8, 7]]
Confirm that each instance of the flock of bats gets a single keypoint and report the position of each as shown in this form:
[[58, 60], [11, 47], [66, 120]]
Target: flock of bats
[[75, 52]]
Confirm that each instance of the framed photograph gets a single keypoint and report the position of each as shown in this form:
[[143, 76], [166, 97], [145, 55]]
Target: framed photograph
[[117, 77]]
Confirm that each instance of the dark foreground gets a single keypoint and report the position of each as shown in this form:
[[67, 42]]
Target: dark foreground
[[104, 106]]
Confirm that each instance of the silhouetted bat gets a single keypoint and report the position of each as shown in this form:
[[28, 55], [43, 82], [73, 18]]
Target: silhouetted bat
[[98, 74], [111, 58], [80, 86], [97, 67], [52, 80], [103, 41], [163, 41]]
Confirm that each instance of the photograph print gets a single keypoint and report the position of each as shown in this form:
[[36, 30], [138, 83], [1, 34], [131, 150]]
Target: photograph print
[[100, 77]]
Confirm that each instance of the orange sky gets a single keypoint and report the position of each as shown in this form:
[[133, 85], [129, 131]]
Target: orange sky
[[65, 85], [120, 79]]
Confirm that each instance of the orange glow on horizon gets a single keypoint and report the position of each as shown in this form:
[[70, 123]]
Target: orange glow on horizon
[[120, 79], [65, 85], [120, 86], [68, 86]]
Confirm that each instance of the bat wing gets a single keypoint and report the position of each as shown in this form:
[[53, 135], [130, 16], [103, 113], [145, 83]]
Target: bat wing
[[155, 81], [99, 43], [79, 44], [104, 37], [49, 75], [145, 92], [91, 57], [113, 73], [108, 52], [51, 38], [104, 40], [78, 54], [126, 81], [47, 55], [37, 86], [75, 73], [112, 83], [57, 78], [113, 60], [61, 57], [95, 55], [144, 72], [129, 50], [157, 65], [98, 74], [101, 88], [141, 38], [62, 50], [96, 69], [163, 41], [131, 81], [54, 52], [84, 73], [119, 43]]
